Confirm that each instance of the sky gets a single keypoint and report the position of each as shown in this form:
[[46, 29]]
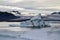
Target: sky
[[50, 5], [31, 3]]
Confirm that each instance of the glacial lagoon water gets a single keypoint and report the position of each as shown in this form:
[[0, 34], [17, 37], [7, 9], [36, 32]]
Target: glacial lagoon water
[[18, 33], [11, 33]]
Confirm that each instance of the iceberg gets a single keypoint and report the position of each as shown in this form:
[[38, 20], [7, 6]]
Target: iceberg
[[35, 22]]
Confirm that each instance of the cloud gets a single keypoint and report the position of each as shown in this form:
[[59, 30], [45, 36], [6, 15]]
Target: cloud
[[15, 1], [37, 3], [33, 5], [11, 1], [10, 8]]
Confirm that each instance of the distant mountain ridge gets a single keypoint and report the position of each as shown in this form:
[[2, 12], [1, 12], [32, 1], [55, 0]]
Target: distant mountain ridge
[[55, 16], [6, 16]]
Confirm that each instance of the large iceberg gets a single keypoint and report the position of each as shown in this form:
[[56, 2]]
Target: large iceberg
[[35, 22]]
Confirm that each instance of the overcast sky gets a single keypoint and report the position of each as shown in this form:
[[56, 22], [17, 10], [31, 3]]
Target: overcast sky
[[32, 4]]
